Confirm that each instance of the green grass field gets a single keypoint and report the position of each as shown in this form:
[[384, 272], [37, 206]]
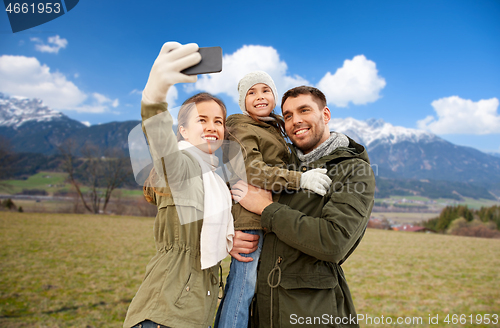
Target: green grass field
[[48, 181], [62, 270], [53, 182]]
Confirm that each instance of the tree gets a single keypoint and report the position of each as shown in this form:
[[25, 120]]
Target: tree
[[456, 225], [100, 172], [5, 161], [487, 214]]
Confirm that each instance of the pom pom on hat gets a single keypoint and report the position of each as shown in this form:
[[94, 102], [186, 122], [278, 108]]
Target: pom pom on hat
[[249, 81]]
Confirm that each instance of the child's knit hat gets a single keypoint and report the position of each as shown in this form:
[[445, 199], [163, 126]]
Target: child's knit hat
[[249, 81]]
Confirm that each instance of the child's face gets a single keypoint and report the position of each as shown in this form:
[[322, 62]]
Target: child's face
[[259, 100]]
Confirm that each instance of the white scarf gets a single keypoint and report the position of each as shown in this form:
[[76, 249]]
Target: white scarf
[[217, 231]]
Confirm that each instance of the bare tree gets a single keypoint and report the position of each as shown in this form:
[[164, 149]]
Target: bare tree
[[5, 161], [99, 172], [116, 169]]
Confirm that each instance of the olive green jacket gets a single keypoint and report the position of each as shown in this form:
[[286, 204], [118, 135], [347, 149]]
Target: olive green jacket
[[266, 156], [308, 238], [175, 291]]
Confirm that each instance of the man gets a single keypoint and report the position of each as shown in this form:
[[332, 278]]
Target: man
[[300, 279]]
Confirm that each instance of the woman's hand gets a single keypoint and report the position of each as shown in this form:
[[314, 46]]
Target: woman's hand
[[244, 243], [166, 70]]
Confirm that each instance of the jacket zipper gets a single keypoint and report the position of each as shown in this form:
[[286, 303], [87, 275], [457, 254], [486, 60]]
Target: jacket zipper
[[270, 281]]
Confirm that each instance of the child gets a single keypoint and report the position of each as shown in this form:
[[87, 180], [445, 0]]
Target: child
[[261, 134]]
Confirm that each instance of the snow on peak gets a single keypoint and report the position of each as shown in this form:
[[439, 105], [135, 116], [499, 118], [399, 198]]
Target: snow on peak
[[369, 131], [15, 111]]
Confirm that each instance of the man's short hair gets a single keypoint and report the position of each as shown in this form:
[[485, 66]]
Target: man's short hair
[[317, 95]]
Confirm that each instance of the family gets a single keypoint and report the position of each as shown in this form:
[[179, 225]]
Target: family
[[302, 211]]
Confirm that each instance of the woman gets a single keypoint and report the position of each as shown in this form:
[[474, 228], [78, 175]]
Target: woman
[[194, 227]]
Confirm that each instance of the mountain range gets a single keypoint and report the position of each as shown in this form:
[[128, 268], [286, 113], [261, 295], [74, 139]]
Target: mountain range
[[400, 152], [32, 127], [396, 153]]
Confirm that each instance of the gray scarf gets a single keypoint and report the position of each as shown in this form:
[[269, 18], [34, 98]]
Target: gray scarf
[[326, 148]]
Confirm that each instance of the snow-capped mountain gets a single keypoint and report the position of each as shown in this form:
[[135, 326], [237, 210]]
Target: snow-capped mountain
[[16, 111], [399, 152], [32, 127], [373, 132]]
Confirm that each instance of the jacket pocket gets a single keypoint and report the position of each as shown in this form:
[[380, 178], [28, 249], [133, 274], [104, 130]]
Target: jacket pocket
[[187, 290], [307, 300]]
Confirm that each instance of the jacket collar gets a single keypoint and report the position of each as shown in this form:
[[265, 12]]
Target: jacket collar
[[245, 119]]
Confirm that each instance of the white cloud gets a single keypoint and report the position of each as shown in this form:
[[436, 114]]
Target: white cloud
[[171, 99], [247, 59], [27, 77], [101, 99], [173, 108], [357, 81], [463, 116], [55, 43], [87, 123], [172, 96], [98, 103]]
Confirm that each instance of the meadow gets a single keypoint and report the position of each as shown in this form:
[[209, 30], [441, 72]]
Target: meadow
[[73, 270]]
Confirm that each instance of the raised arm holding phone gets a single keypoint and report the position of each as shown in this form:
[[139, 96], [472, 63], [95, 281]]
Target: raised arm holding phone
[[193, 229]]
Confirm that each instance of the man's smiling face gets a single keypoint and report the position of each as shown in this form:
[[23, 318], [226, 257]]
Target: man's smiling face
[[306, 124]]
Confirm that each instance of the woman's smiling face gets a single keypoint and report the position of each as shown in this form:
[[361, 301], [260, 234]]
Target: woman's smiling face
[[205, 126]]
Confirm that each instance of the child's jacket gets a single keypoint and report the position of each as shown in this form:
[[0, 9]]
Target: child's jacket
[[266, 158]]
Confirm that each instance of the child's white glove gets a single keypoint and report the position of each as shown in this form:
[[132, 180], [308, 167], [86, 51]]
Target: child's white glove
[[316, 180], [166, 70]]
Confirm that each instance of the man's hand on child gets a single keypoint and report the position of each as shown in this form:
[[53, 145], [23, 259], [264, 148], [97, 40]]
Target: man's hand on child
[[251, 198]]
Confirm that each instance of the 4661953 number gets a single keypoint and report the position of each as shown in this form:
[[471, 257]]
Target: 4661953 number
[[477, 319], [40, 8]]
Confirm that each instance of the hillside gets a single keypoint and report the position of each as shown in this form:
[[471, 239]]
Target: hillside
[[405, 161]]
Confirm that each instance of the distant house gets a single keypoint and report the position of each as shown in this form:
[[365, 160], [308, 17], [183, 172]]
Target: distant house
[[411, 228], [376, 223]]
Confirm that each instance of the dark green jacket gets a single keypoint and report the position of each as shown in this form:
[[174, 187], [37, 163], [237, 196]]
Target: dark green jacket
[[308, 238], [266, 157]]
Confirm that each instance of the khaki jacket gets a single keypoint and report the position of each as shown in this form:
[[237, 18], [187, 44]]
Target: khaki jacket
[[266, 157], [175, 291], [308, 238]]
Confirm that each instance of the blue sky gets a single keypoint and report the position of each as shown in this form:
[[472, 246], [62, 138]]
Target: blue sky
[[431, 65]]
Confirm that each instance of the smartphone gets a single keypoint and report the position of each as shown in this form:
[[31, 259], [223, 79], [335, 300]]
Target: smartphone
[[211, 62]]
